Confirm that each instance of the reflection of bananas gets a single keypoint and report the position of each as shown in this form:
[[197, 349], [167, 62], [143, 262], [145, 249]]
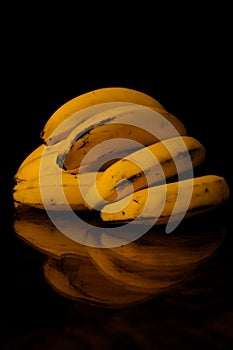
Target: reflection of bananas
[[36, 229], [157, 249], [118, 276], [209, 191], [155, 261], [95, 97], [116, 180], [134, 274], [69, 268], [80, 279]]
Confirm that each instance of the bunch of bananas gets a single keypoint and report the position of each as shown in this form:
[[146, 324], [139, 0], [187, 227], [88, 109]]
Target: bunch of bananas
[[149, 162]]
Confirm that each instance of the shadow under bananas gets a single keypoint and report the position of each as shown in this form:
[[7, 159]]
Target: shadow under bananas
[[128, 274]]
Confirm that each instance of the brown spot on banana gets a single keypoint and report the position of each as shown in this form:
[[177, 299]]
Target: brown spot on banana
[[157, 162], [209, 192]]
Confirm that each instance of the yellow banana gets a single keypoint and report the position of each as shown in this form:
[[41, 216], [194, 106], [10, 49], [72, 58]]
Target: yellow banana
[[29, 192], [30, 179], [30, 167], [208, 192], [31, 157], [126, 123], [146, 167], [92, 98]]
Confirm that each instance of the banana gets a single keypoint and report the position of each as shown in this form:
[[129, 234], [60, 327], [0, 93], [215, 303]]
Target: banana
[[145, 126], [31, 157], [146, 167], [30, 179], [208, 192], [30, 167], [29, 192], [92, 98]]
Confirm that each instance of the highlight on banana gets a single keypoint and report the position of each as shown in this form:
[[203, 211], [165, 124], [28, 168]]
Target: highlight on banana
[[118, 154]]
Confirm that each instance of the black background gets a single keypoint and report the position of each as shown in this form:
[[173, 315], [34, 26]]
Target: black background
[[185, 63]]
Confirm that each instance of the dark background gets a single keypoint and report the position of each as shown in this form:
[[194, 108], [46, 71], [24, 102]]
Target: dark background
[[185, 63]]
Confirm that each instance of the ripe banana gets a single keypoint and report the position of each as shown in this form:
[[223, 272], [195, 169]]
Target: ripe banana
[[30, 179], [117, 167], [146, 167], [152, 153], [127, 122], [30, 167], [92, 98], [29, 192], [208, 192]]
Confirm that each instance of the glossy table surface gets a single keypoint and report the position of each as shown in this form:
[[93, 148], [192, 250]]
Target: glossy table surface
[[50, 296]]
